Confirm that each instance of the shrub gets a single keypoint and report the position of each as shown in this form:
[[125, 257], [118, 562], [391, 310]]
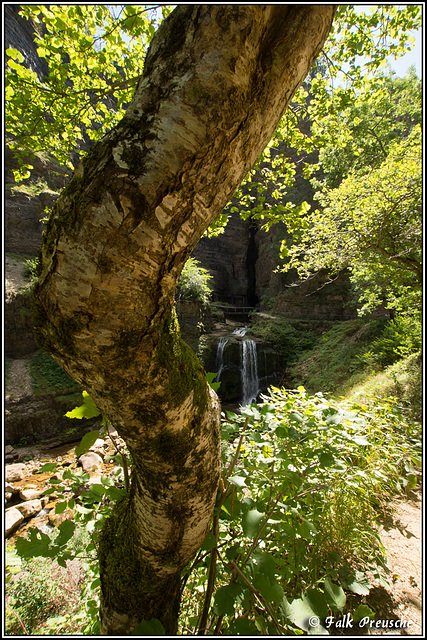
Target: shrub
[[34, 597], [194, 283], [400, 338], [31, 266], [295, 523]]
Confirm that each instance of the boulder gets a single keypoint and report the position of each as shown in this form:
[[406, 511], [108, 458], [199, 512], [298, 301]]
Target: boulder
[[90, 461], [9, 488], [30, 508], [94, 479], [98, 446], [13, 520], [55, 519], [16, 472], [10, 455], [30, 494]]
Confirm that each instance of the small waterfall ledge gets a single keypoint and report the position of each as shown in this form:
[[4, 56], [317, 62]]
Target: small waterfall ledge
[[244, 367]]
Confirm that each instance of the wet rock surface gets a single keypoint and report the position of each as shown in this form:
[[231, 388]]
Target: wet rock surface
[[26, 482]]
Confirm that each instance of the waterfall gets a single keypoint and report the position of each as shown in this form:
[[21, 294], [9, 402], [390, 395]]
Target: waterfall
[[241, 331], [219, 363], [250, 382]]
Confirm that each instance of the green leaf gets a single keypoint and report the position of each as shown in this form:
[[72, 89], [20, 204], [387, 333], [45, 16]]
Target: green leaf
[[60, 507], [151, 627], [242, 627], [49, 466], [86, 442], [238, 481], [114, 493], [60, 24], [225, 599], [210, 378], [209, 543], [363, 611], [267, 408], [14, 65], [270, 589], [359, 586], [311, 607], [265, 562], [251, 522], [98, 489], [281, 432], [307, 530], [37, 544], [87, 410], [15, 54], [66, 531], [334, 594]]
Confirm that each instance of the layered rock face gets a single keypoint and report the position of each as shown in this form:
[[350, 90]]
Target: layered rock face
[[243, 262], [228, 259]]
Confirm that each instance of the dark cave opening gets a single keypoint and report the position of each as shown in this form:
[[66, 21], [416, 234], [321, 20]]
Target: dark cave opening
[[251, 259]]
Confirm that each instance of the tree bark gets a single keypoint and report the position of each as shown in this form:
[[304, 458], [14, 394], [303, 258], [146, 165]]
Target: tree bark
[[216, 81]]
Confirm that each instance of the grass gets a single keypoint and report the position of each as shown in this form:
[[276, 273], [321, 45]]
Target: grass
[[43, 598], [337, 364], [402, 380], [47, 376], [289, 337], [335, 358], [32, 188]]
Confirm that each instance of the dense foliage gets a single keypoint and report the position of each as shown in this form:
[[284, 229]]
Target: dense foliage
[[194, 283], [372, 225], [86, 90], [294, 530], [95, 55]]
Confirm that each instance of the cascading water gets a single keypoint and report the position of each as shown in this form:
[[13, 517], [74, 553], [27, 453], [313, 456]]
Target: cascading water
[[220, 356], [242, 376], [250, 381]]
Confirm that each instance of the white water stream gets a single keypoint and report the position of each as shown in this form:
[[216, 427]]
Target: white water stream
[[248, 364], [250, 381]]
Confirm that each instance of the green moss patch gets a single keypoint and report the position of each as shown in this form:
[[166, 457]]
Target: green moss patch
[[185, 372], [47, 376]]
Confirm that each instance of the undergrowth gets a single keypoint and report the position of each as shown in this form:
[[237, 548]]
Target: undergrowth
[[289, 337], [336, 356], [294, 530]]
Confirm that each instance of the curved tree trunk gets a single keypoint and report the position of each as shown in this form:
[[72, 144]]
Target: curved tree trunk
[[216, 81]]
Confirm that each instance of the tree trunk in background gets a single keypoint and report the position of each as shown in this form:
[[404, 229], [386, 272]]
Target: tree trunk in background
[[216, 81]]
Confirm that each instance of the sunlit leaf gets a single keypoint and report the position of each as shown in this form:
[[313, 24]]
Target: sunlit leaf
[[251, 521]]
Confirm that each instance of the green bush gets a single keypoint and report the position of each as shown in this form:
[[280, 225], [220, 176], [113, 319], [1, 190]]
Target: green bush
[[194, 283], [294, 530], [296, 521], [400, 338], [34, 598], [31, 266]]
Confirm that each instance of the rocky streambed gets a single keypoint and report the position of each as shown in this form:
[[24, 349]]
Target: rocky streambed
[[26, 482]]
